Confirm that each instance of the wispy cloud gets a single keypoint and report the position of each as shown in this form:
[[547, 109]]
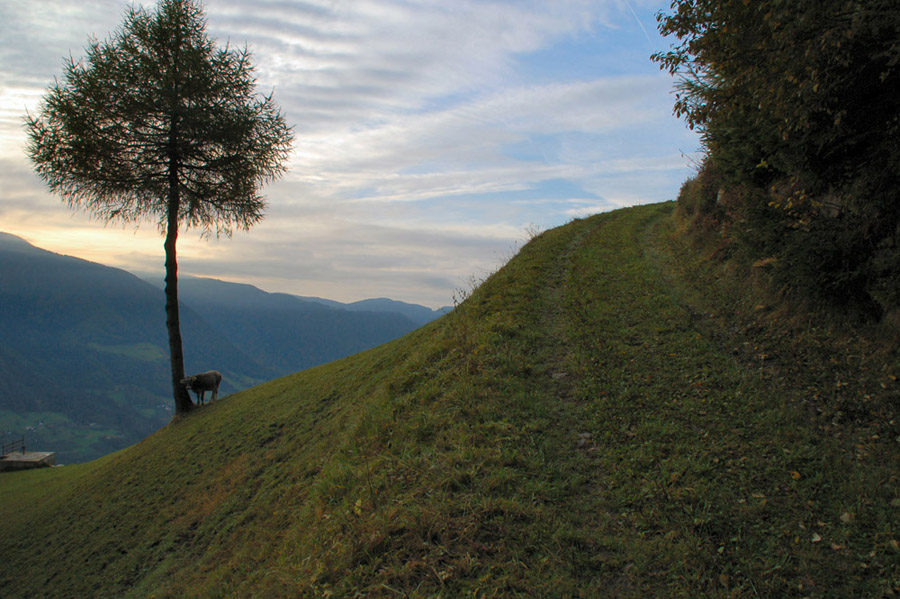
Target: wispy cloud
[[429, 134]]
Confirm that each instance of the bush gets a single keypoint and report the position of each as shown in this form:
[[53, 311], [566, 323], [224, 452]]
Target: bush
[[697, 201], [797, 107]]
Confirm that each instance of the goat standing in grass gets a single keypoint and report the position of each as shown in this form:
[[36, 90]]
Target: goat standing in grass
[[203, 382]]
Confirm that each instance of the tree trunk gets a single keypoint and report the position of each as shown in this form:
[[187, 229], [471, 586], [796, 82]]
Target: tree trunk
[[183, 403]]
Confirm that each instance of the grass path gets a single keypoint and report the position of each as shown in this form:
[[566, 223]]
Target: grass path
[[713, 478], [606, 416]]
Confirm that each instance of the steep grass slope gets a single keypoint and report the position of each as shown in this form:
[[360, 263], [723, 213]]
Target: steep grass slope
[[586, 423]]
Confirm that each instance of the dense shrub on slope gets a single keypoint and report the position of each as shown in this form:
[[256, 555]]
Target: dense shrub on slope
[[799, 109]]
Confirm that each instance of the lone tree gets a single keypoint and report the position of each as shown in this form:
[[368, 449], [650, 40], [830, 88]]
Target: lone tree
[[157, 123]]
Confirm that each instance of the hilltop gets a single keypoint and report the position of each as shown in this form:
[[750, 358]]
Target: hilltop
[[607, 415]]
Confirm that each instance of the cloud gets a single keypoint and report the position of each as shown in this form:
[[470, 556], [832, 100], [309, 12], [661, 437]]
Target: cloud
[[352, 63], [429, 135]]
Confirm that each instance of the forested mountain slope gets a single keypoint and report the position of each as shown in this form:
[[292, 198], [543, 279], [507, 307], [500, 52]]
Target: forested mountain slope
[[287, 333], [84, 364], [607, 415], [83, 353]]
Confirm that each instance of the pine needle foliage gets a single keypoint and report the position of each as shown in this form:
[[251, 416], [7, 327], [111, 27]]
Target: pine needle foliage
[[155, 101]]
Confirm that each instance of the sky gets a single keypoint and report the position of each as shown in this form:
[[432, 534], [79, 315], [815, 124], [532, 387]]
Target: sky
[[432, 138]]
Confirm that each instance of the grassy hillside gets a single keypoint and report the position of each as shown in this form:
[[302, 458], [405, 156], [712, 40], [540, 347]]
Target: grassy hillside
[[605, 416]]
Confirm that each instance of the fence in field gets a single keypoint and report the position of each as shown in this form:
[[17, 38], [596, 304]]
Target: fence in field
[[18, 444]]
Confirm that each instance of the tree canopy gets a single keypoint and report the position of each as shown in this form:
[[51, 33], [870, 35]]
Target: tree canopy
[[156, 122], [155, 100], [798, 106]]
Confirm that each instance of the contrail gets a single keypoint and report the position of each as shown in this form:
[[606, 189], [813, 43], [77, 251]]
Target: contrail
[[641, 25]]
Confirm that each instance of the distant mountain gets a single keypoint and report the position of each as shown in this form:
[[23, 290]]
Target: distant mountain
[[418, 314], [285, 332], [84, 364], [84, 353]]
